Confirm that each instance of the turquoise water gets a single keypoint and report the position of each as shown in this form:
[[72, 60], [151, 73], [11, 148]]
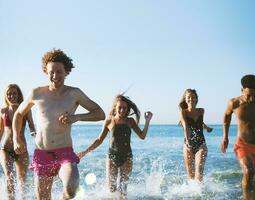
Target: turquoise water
[[158, 171]]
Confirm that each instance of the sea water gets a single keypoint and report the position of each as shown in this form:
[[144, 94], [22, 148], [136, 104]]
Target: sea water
[[158, 167]]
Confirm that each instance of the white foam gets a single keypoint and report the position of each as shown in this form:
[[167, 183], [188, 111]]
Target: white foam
[[90, 179]]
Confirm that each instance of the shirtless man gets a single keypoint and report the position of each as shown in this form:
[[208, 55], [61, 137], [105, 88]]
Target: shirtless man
[[244, 109], [56, 104]]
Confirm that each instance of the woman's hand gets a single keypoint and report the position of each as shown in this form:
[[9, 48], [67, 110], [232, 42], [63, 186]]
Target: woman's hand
[[148, 115], [209, 130], [188, 146], [81, 154]]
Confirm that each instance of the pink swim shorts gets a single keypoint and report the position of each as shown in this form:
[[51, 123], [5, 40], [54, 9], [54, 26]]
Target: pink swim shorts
[[48, 162]]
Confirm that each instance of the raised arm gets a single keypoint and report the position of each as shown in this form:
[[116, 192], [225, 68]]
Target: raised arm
[[226, 123], [142, 133], [98, 141], [95, 111], [23, 109]]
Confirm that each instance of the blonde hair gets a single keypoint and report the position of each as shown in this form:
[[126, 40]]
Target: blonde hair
[[131, 107], [20, 95]]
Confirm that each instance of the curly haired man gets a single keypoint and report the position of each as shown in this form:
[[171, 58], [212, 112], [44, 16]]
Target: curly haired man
[[56, 104]]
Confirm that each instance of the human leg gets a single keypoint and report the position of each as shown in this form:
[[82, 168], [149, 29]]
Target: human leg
[[200, 158], [189, 159], [248, 176], [69, 176], [43, 186], [7, 164], [21, 171], [111, 174], [125, 171]]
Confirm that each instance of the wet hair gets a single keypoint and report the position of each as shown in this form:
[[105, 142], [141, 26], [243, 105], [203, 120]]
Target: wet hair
[[56, 55], [131, 107], [248, 81], [20, 95], [183, 105]]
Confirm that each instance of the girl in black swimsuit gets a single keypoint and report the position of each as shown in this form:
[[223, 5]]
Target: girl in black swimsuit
[[195, 149], [13, 97], [119, 125]]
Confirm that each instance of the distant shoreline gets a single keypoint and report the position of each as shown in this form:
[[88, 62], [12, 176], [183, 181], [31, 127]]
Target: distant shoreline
[[98, 124]]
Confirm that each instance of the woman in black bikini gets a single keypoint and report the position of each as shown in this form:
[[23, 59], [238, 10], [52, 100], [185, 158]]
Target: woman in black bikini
[[119, 124], [13, 98], [195, 149]]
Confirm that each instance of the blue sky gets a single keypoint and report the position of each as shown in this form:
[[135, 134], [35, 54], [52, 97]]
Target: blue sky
[[157, 49]]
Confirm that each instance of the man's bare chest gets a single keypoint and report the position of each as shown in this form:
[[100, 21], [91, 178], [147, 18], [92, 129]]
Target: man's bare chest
[[246, 112], [56, 104]]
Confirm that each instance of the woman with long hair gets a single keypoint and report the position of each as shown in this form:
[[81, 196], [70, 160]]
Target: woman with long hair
[[119, 125], [195, 149], [13, 98]]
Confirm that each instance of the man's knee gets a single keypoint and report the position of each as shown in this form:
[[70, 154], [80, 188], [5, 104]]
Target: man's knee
[[248, 176], [248, 172]]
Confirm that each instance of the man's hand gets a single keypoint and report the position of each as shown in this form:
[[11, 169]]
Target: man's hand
[[224, 145], [19, 147], [66, 118]]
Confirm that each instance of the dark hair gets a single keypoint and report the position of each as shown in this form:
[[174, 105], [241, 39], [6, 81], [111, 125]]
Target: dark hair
[[131, 107], [183, 105], [248, 81], [20, 95], [56, 55]]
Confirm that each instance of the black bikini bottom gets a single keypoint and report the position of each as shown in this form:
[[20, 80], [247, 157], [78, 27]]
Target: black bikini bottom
[[11, 153], [195, 146]]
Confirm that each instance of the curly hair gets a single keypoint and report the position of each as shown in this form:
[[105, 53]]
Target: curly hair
[[130, 106], [56, 55], [20, 95], [183, 105]]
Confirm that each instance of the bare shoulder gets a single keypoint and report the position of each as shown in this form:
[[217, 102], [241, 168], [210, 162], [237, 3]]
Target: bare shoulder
[[234, 102], [41, 89], [131, 121], [76, 92], [201, 110], [73, 89], [3, 110], [183, 112], [38, 91], [108, 120]]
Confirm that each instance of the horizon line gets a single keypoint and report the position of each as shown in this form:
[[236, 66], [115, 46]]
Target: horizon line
[[154, 124]]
